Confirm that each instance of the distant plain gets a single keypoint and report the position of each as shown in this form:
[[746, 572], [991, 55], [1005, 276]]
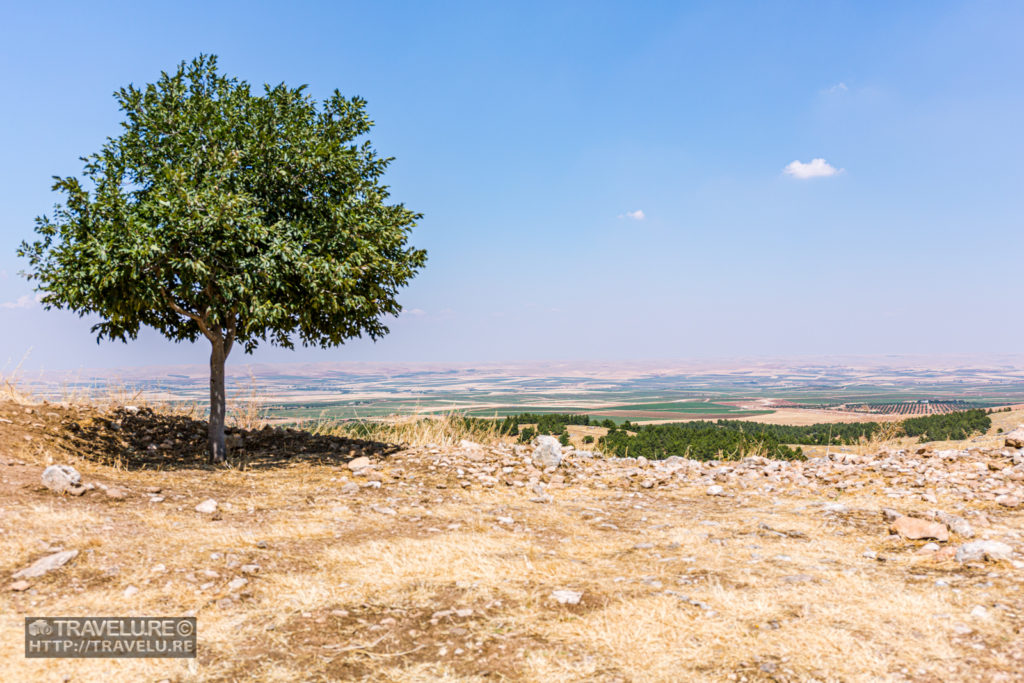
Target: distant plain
[[777, 391]]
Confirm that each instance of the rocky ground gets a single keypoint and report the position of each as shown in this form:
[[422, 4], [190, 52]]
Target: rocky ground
[[317, 557]]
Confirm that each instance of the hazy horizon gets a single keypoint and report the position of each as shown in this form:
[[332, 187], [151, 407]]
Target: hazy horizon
[[599, 180], [244, 366]]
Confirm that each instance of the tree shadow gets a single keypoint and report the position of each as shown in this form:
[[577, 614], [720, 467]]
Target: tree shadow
[[144, 439]]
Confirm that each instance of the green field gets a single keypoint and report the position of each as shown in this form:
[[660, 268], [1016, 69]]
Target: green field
[[480, 392], [690, 407]]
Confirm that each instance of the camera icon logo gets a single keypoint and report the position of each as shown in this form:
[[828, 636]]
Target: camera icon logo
[[40, 627]]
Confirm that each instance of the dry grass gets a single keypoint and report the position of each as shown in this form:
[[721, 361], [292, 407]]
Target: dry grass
[[422, 429], [676, 585], [249, 410]]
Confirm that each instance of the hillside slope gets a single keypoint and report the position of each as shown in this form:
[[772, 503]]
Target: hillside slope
[[430, 563]]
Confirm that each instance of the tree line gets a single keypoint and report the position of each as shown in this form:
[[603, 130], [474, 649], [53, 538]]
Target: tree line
[[726, 439], [696, 440]]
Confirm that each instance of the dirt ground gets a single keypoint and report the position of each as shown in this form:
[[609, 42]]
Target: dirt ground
[[410, 570]]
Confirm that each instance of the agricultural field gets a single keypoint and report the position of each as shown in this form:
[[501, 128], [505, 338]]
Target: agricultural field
[[789, 392], [920, 407]]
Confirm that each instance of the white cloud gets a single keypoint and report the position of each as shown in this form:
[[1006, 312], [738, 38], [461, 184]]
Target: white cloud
[[816, 168], [24, 301], [637, 215], [417, 312], [838, 87]]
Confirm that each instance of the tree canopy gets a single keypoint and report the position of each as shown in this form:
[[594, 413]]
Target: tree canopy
[[239, 217], [259, 215]]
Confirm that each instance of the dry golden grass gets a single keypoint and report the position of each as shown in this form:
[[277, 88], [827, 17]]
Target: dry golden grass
[[445, 430], [347, 592]]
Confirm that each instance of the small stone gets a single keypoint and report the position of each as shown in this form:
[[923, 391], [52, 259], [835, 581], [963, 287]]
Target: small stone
[[152, 489], [958, 525], [207, 507], [567, 597], [45, 564], [1015, 439], [19, 586], [359, 463], [263, 545], [797, 578], [890, 515], [547, 452], [993, 551], [63, 479], [1008, 500], [350, 488], [116, 493], [380, 509], [238, 583], [130, 591], [250, 569], [156, 499], [915, 529], [979, 612], [716, 490]]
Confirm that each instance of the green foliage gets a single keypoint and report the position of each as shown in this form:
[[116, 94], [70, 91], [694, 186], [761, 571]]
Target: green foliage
[[527, 434], [697, 440], [546, 423], [809, 435], [563, 438], [950, 426], [236, 216], [733, 438], [588, 439]]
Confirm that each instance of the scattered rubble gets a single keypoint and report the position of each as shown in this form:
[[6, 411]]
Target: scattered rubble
[[937, 501]]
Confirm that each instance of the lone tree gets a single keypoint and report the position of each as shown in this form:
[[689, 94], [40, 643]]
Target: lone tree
[[237, 217]]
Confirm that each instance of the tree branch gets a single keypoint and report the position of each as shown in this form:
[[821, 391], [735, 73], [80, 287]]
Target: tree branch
[[203, 327]]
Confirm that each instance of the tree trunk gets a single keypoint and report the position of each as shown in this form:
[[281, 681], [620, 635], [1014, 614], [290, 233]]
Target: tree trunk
[[218, 447]]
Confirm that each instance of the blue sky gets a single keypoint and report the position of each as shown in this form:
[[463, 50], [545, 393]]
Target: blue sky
[[531, 135]]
